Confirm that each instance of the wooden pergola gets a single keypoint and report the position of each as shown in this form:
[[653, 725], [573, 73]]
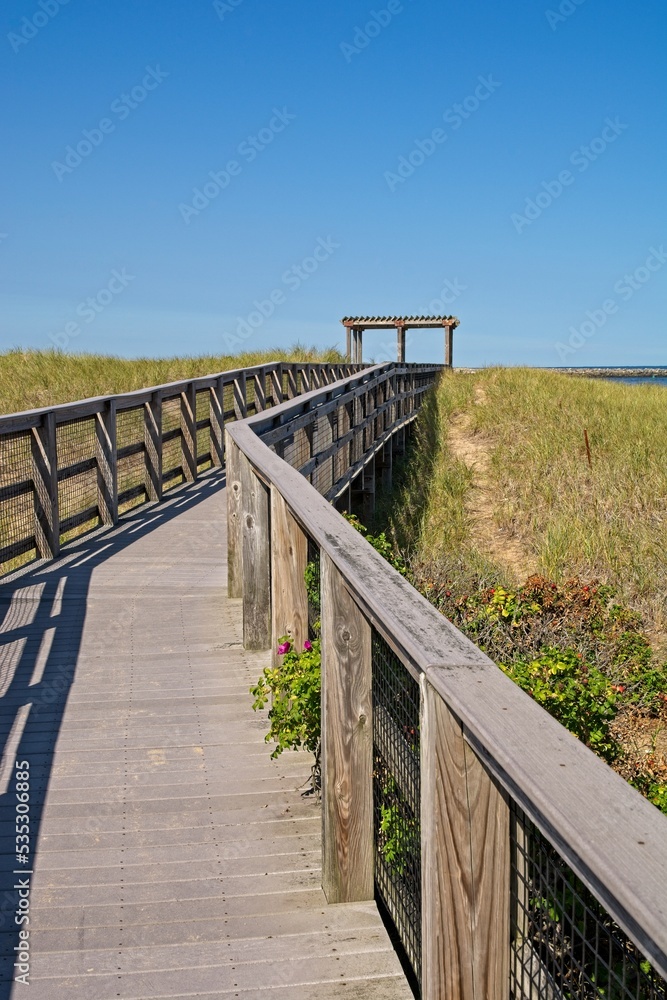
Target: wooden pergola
[[355, 326]]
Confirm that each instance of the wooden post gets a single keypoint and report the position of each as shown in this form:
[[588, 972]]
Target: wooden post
[[107, 469], [400, 344], [240, 404], [465, 864], [256, 558], [347, 744], [348, 338], [45, 487], [359, 348], [292, 381], [260, 390], [289, 556], [234, 532], [153, 446], [189, 432], [449, 346], [217, 411], [277, 384]]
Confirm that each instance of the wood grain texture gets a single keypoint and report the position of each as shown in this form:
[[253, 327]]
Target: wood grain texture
[[189, 432], [347, 743], [107, 465], [255, 527], [289, 555], [277, 385], [465, 865], [176, 859], [45, 480], [587, 811], [153, 446], [260, 390], [240, 403], [234, 513], [217, 410]]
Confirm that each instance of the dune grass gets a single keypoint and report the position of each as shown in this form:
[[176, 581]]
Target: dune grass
[[32, 379], [606, 521], [555, 566]]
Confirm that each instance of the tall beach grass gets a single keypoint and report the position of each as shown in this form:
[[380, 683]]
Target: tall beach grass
[[606, 520], [32, 379]]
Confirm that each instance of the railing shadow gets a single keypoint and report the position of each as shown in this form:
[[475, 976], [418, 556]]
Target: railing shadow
[[42, 614]]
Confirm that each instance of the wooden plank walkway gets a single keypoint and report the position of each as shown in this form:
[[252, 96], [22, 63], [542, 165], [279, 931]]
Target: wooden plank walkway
[[171, 857]]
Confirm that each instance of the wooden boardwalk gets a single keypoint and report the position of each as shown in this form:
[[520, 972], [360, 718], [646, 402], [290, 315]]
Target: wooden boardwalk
[[171, 856]]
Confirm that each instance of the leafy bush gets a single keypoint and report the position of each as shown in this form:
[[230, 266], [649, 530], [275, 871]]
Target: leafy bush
[[293, 687], [380, 543], [399, 831], [575, 693]]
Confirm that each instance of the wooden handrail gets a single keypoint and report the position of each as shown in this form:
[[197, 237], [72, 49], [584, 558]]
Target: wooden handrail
[[609, 835], [40, 468]]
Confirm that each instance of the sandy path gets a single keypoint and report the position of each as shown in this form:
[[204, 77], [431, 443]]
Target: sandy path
[[474, 451]]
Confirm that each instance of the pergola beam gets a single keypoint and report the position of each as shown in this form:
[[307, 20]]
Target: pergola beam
[[355, 326]]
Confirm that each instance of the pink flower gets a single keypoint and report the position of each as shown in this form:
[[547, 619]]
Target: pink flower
[[283, 648], [307, 645]]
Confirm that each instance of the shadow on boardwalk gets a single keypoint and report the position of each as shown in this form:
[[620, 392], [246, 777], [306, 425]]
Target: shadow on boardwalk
[[42, 615]]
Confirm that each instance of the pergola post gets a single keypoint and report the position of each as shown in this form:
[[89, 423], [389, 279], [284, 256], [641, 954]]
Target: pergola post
[[449, 346], [400, 344], [358, 346], [355, 326]]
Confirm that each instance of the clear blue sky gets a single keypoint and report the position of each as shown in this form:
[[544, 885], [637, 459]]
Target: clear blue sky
[[315, 105]]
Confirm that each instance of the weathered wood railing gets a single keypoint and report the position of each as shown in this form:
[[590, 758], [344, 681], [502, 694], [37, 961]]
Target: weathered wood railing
[[512, 860], [65, 469]]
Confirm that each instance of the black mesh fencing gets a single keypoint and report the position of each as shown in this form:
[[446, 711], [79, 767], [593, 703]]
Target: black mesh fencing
[[132, 466], [17, 511], [565, 946], [172, 448], [77, 477], [203, 418], [396, 797]]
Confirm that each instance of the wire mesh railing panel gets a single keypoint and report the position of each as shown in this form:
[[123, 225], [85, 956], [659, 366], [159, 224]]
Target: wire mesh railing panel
[[323, 436], [17, 518], [172, 450], [131, 468], [297, 447], [77, 477], [250, 396], [228, 401], [396, 796], [203, 413], [565, 946]]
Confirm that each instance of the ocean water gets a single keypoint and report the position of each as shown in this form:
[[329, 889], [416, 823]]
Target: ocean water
[[638, 379], [657, 380]]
